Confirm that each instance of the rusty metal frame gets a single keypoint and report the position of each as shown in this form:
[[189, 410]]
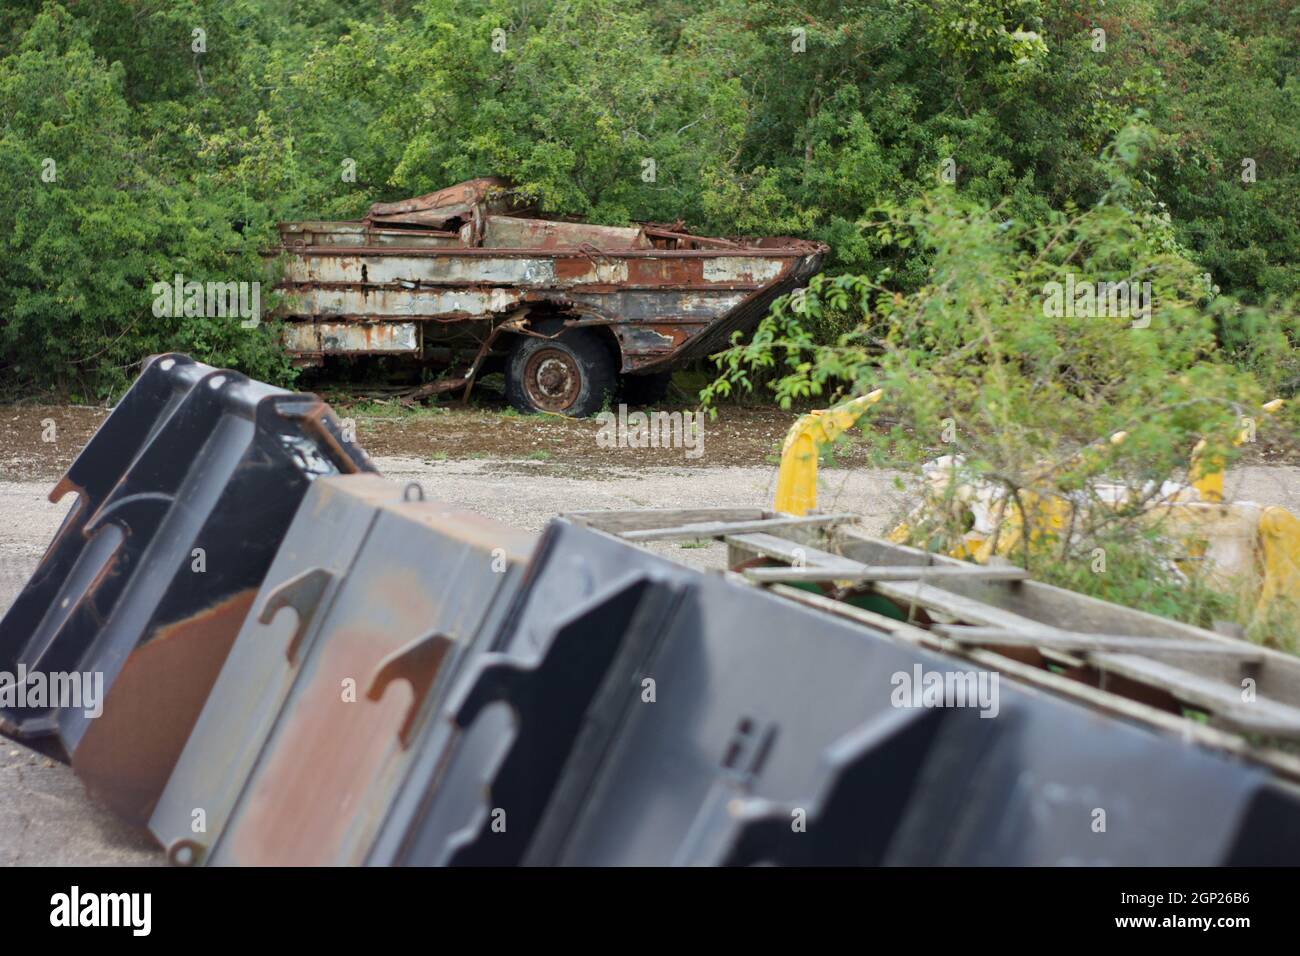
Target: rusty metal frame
[[183, 496], [374, 585], [665, 305]]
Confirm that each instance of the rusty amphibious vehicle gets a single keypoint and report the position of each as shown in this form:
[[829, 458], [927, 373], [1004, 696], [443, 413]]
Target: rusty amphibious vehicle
[[471, 281]]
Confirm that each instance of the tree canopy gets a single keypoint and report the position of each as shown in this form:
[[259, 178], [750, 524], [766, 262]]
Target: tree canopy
[[179, 131]]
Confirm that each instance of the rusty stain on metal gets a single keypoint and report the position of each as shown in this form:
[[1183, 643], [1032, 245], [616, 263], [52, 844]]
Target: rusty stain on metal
[[353, 337], [280, 822], [127, 754], [444, 206], [349, 681], [508, 232], [195, 464], [418, 663], [472, 254], [740, 269]]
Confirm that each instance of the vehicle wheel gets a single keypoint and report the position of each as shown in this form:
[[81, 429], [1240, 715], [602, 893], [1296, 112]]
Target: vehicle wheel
[[570, 375], [646, 389]]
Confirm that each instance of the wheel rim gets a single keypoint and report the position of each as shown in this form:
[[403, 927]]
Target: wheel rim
[[552, 379]]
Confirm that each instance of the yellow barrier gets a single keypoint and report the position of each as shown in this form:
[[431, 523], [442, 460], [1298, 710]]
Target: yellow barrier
[[796, 483]]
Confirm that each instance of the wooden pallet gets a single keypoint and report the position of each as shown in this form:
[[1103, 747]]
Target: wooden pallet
[[1216, 690]]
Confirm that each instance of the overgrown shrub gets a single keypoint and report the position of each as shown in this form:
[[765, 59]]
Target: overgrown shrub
[[984, 363]]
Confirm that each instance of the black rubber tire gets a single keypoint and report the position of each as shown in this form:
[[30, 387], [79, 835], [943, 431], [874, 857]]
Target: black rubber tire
[[570, 375], [646, 389]]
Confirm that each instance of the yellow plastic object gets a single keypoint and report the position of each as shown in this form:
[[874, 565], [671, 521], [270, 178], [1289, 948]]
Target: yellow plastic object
[[1279, 540], [796, 482], [1206, 474], [1235, 541]]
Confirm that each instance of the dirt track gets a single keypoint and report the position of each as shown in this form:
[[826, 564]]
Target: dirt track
[[738, 436]]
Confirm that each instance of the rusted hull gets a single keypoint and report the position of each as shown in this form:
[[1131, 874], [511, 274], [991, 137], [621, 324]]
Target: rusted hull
[[183, 496], [354, 338], [665, 306], [742, 317]]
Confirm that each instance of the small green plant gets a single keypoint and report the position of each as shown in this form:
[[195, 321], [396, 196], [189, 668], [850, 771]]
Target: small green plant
[[539, 455]]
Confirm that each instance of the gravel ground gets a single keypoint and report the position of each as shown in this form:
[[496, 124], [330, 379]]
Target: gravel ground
[[45, 816]]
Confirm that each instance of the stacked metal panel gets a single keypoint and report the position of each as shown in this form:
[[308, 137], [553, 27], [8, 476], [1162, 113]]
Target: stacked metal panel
[[309, 732], [529, 701], [673, 718], [184, 495], [374, 678]]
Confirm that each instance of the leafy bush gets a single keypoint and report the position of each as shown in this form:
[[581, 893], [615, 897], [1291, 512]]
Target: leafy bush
[[981, 362], [761, 117], [88, 228]]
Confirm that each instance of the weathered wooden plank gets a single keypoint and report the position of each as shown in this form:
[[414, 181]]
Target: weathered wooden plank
[[1026, 607], [616, 522], [783, 549], [1033, 599], [1064, 640], [858, 547], [720, 529], [965, 602], [866, 574], [957, 606], [1222, 739], [1261, 716]]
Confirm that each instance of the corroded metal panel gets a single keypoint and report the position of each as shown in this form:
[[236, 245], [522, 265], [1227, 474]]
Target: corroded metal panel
[[454, 256], [339, 338], [184, 494], [441, 207], [513, 233], [309, 732], [640, 305], [741, 269], [356, 234], [381, 270], [401, 303]]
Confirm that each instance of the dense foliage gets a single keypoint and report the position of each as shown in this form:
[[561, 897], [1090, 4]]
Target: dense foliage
[[180, 131], [1079, 426]]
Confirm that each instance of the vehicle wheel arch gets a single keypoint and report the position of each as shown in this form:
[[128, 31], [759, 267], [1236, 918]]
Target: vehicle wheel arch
[[549, 318], [591, 346]]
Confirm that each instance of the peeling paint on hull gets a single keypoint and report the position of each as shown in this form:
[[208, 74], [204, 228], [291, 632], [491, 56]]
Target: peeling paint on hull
[[668, 297], [353, 338]]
